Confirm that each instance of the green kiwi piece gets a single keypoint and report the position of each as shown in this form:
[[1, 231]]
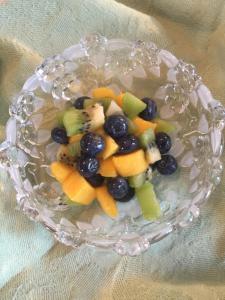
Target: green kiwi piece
[[137, 180], [132, 106], [146, 137], [147, 199]]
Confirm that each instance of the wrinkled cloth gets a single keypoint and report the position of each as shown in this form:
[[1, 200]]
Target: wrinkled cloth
[[189, 264]]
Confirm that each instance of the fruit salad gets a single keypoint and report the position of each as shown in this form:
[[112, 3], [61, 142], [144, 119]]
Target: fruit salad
[[109, 147]]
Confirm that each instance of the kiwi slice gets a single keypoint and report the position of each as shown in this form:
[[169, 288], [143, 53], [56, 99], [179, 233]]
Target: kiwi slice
[[164, 126], [105, 102], [137, 180], [77, 120], [152, 153], [64, 156], [73, 121], [74, 149], [132, 106], [147, 199], [147, 137]]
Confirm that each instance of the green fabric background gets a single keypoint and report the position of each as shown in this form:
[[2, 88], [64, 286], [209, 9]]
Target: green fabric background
[[187, 265]]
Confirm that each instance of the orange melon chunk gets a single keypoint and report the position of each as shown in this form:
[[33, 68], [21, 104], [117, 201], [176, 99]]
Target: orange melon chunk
[[110, 147], [78, 189], [130, 164], [142, 125], [119, 99], [75, 138], [106, 201], [103, 92], [61, 171], [107, 168]]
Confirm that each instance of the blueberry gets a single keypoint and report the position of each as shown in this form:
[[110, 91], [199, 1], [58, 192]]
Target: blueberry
[[116, 126], [150, 111], [87, 166], [163, 142], [127, 144], [59, 135], [128, 196], [79, 102], [96, 180], [118, 187], [167, 165], [91, 144]]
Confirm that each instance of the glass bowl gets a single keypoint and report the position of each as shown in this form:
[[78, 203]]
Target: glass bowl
[[145, 70]]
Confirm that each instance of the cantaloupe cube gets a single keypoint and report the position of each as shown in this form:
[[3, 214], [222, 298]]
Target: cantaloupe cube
[[106, 201], [60, 171], [75, 138], [130, 164], [119, 99], [103, 92], [110, 147], [142, 125], [78, 189], [107, 168]]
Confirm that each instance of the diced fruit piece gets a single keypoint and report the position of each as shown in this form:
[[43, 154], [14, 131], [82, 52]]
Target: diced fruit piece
[[132, 106], [60, 171], [143, 125], [74, 121], [96, 180], [148, 201], [114, 109], [79, 102], [137, 180], [106, 201], [130, 164], [78, 189], [116, 126], [103, 92], [64, 156], [111, 147], [150, 111], [130, 194], [147, 137], [152, 153], [87, 166], [163, 142], [107, 168], [167, 165], [60, 115], [75, 138], [149, 173], [164, 126], [132, 128], [96, 117], [59, 135], [119, 99], [127, 144], [89, 102], [91, 144], [74, 149], [118, 187]]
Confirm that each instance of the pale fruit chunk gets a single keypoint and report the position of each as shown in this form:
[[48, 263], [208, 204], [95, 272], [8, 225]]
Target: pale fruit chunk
[[78, 189], [114, 109], [137, 180], [106, 201], [60, 171], [147, 199], [152, 154], [130, 164]]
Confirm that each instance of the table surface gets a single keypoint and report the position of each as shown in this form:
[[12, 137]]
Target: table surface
[[189, 264]]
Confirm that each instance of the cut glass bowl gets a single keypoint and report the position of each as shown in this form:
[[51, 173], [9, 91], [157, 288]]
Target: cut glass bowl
[[145, 70]]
